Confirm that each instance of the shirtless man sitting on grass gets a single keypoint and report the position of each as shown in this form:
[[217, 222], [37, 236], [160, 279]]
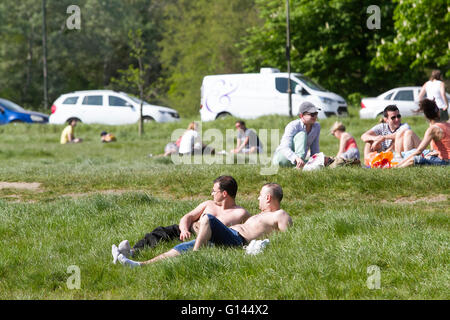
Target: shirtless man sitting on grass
[[223, 207], [272, 218]]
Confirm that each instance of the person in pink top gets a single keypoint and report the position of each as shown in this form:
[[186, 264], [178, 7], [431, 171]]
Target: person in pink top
[[437, 135], [348, 149]]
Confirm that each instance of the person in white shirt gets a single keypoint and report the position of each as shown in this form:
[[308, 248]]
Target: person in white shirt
[[189, 139], [435, 89], [299, 136]]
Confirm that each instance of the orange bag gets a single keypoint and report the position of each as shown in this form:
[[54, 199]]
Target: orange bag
[[382, 160]]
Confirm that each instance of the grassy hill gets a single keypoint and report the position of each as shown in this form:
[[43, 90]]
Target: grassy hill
[[74, 201]]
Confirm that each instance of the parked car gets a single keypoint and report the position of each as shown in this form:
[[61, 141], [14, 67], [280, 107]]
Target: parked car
[[405, 98], [106, 107], [251, 95], [11, 112]]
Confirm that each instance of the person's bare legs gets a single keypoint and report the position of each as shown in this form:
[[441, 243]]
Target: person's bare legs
[[405, 141], [410, 140], [367, 149], [204, 233], [169, 254]]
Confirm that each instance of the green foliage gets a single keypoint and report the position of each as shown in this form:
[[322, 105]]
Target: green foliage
[[185, 40], [200, 38], [330, 42], [420, 38]]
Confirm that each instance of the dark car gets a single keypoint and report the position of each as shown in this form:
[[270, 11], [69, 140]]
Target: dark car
[[13, 113]]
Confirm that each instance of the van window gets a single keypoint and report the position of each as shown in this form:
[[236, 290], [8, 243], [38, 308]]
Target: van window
[[281, 85], [116, 102], [93, 100], [70, 100]]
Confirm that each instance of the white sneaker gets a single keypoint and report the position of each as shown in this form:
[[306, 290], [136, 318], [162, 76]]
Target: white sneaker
[[127, 262], [125, 248], [115, 253]]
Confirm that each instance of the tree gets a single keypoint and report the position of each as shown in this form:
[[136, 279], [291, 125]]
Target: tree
[[135, 76], [420, 39], [201, 38], [331, 42]]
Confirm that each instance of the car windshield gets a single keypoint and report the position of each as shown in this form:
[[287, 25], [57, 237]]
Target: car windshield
[[136, 99], [11, 105], [313, 85]]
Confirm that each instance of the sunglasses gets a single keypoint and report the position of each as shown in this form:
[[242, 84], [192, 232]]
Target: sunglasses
[[314, 114], [397, 116]]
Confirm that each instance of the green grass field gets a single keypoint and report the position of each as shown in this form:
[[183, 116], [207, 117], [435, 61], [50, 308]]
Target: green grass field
[[92, 195]]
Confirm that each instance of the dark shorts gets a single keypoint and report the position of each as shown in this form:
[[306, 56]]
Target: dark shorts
[[220, 235]]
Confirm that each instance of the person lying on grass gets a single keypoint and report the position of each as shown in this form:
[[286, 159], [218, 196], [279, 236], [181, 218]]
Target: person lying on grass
[[223, 207], [271, 219]]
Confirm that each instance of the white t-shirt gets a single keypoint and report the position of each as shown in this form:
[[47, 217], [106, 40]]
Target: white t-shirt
[[382, 129], [187, 141], [433, 89]]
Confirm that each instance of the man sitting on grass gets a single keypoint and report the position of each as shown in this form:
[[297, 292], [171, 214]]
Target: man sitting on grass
[[390, 135], [223, 207], [212, 230]]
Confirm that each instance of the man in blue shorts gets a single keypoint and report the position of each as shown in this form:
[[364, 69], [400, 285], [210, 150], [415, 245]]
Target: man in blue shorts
[[223, 207], [272, 218]]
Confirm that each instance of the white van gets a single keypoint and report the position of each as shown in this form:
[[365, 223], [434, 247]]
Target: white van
[[252, 95]]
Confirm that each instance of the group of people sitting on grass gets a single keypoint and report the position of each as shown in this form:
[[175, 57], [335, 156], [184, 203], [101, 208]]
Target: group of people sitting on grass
[[218, 222], [301, 139], [302, 136]]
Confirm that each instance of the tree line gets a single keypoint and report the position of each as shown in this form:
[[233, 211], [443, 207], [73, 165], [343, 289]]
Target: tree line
[[332, 41]]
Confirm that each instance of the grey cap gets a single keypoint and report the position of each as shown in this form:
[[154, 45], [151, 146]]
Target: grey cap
[[307, 107]]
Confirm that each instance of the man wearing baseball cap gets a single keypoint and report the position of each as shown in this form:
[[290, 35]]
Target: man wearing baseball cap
[[299, 136]]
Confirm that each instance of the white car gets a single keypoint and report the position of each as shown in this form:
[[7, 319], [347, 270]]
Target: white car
[[405, 98], [106, 107]]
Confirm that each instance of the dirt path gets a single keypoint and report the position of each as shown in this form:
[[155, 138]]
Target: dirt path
[[33, 186]]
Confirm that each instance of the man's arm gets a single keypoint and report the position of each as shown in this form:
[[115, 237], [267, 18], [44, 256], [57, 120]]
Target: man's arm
[[241, 144], [285, 144], [369, 136], [284, 221], [189, 218]]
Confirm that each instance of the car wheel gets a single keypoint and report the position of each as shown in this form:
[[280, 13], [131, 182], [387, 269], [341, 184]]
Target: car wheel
[[147, 119], [16, 121], [223, 115]]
